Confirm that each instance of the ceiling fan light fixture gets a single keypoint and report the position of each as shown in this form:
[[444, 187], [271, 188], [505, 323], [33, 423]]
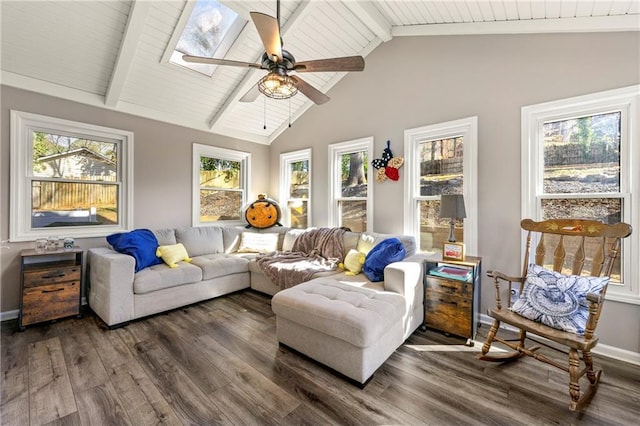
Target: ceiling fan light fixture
[[277, 86]]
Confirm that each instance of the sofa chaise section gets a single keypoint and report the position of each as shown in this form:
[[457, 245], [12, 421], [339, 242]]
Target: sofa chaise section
[[349, 323]]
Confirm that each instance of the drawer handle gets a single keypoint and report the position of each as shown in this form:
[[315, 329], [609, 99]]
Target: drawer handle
[[53, 291], [58, 275]]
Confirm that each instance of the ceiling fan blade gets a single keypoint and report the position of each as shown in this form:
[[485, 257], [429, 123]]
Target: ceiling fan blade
[[251, 95], [269, 31], [310, 92], [215, 61], [347, 63]]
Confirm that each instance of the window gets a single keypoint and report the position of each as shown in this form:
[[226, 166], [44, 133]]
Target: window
[[220, 184], [441, 159], [350, 200], [579, 161], [295, 188], [209, 29], [68, 178]]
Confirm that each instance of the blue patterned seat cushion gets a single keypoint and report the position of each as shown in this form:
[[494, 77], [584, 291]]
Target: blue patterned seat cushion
[[557, 300]]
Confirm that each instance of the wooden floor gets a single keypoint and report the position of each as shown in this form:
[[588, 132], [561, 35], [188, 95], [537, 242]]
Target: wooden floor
[[219, 362]]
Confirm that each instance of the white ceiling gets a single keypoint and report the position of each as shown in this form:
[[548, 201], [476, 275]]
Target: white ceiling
[[111, 53]]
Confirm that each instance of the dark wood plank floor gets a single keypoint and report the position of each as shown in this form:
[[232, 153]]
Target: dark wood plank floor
[[218, 362]]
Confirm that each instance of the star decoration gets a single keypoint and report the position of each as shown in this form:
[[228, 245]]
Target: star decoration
[[388, 165]]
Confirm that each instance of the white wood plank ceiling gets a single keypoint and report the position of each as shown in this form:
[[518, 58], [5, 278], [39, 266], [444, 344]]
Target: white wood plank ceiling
[[111, 53]]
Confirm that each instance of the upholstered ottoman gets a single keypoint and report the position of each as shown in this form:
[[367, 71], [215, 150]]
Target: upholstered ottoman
[[348, 328]]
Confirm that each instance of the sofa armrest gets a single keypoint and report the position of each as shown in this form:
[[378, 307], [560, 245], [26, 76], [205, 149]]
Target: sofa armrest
[[111, 285], [407, 278]]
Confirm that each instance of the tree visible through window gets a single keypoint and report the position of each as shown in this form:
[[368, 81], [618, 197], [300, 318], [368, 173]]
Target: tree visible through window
[[295, 188], [441, 172], [221, 181], [582, 156], [220, 192], [353, 203], [74, 181], [351, 198]]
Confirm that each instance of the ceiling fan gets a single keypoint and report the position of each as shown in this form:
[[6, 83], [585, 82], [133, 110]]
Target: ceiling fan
[[278, 84]]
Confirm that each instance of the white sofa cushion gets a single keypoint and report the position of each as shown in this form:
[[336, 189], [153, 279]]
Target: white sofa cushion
[[201, 240], [161, 276], [166, 237], [356, 315], [220, 265]]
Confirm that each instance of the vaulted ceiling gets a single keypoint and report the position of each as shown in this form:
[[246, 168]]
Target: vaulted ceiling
[[112, 54]]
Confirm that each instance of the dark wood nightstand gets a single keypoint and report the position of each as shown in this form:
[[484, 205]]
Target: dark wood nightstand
[[451, 303], [51, 284]]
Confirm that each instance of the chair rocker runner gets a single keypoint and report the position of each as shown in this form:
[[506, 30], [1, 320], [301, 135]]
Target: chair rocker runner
[[591, 243]]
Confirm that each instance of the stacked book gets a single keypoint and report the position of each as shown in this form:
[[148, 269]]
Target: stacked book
[[453, 272]]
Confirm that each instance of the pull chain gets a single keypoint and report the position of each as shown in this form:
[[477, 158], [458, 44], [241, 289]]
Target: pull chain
[[289, 112], [265, 113]]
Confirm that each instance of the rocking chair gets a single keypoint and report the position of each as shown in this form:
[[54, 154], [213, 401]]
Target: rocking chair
[[592, 243]]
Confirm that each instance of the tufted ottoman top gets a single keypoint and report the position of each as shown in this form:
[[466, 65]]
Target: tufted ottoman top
[[354, 314]]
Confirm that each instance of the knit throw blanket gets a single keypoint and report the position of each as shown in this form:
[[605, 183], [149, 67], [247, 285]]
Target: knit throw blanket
[[314, 251]]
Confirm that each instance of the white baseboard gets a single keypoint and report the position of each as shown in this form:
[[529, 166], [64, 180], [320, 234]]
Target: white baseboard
[[601, 349], [9, 315]]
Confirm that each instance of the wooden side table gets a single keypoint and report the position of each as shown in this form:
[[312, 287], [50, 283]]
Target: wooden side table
[[51, 284], [451, 305]]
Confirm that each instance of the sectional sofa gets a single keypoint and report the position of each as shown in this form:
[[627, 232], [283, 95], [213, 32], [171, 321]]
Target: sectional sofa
[[222, 262]]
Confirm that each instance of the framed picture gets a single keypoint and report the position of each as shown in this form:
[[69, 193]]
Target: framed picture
[[453, 251]]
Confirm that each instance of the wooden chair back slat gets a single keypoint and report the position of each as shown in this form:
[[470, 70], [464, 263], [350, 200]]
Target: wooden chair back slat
[[540, 250], [578, 258], [599, 259], [558, 255]]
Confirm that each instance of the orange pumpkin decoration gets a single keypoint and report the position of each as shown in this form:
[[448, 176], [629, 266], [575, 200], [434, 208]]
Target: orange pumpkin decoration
[[263, 213]]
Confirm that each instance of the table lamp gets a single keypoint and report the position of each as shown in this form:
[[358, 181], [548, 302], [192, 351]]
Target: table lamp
[[452, 207]]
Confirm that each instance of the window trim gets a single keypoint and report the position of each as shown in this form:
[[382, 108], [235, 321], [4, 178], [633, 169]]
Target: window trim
[[338, 149], [625, 99], [23, 124], [468, 129], [286, 159], [245, 179]]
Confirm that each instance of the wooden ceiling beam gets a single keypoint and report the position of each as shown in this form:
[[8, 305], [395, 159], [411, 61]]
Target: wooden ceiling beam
[[132, 32]]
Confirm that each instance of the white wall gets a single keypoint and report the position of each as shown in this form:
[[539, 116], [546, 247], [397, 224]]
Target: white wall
[[412, 82]]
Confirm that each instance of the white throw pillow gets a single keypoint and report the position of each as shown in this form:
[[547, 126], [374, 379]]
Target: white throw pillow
[[253, 242]]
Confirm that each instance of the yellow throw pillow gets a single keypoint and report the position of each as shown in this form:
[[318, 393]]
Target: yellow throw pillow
[[172, 254], [353, 262]]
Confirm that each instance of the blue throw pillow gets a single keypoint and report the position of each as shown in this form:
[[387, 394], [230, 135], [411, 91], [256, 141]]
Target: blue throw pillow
[[386, 252], [140, 243], [557, 300]]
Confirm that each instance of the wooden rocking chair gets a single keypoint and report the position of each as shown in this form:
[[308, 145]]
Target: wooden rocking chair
[[593, 244]]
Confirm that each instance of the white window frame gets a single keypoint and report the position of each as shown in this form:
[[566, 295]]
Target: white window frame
[[336, 150], [245, 179], [286, 159], [172, 57], [23, 126], [627, 100], [468, 129]]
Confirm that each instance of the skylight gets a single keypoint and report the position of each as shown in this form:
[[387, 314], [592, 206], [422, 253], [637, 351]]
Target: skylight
[[210, 31]]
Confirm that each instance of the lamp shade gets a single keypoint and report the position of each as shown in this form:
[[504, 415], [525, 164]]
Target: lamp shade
[[452, 206]]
